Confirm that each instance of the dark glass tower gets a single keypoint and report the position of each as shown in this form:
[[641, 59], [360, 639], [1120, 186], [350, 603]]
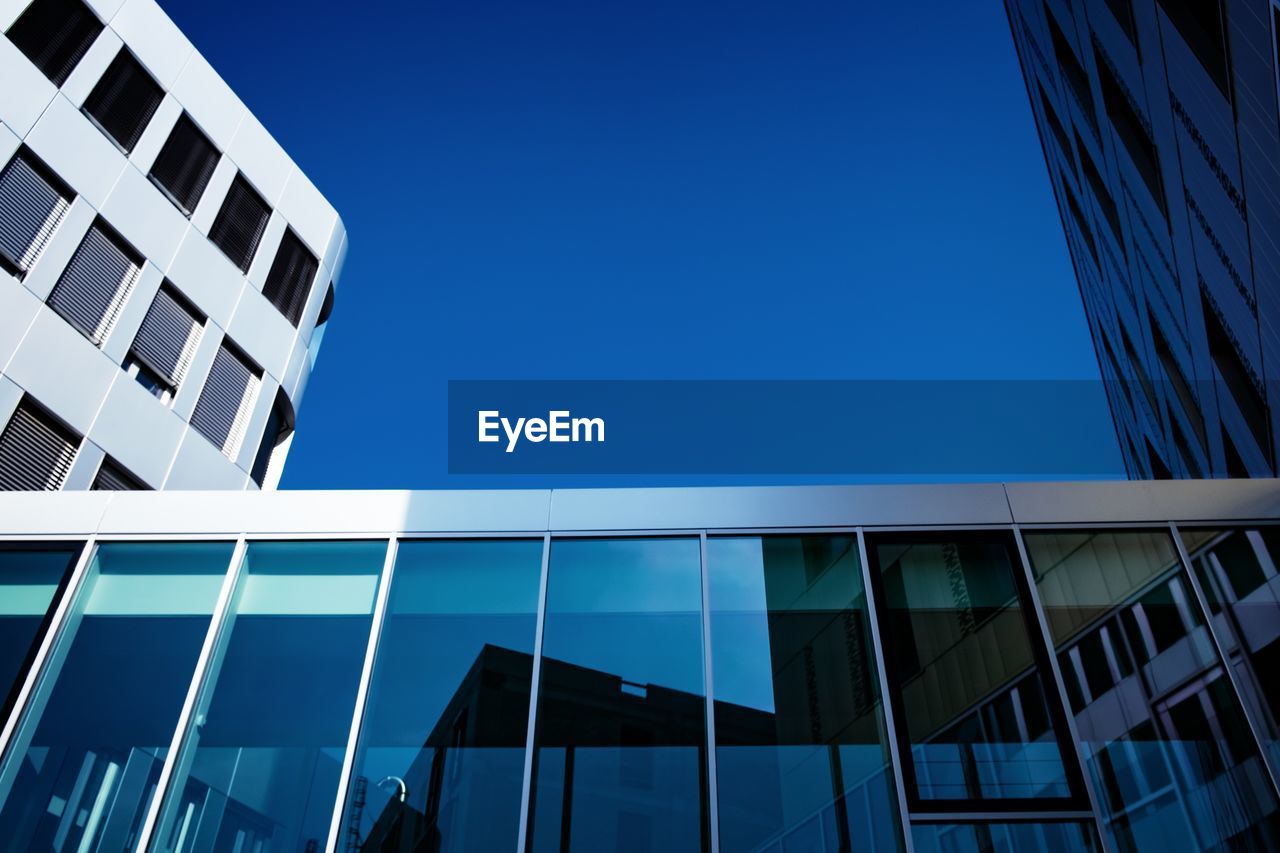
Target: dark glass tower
[[1159, 125]]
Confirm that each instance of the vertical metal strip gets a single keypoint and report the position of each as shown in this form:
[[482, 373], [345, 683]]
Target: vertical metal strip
[[1246, 707], [211, 639], [886, 709], [362, 693], [526, 785], [713, 792], [52, 635], [1060, 685]]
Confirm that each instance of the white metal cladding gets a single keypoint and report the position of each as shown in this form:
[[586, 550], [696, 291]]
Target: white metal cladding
[[95, 284], [35, 453], [30, 210], [167, 341], [228, 393], [81, 176]]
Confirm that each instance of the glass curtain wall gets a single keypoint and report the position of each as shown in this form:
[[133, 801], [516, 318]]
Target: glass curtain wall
[[1239, 571], [620, 748], [1173, 761], [84, 767], [31, 576], [261, 761], [802, 755], [440, 760]]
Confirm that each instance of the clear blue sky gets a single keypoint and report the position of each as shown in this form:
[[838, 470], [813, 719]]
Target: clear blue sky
[[695, 189]]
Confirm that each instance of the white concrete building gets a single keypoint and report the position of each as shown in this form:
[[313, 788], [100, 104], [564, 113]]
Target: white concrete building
[[166, 269]]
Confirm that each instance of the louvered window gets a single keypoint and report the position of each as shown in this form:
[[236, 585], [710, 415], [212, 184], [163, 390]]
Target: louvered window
[[289, 281], [224, 406], [54, 35], [279, 427], [36, 452], [124, 100], [112, 478], [168, 338], [32, 203], [240, 223], [185, 164], [96, 283]]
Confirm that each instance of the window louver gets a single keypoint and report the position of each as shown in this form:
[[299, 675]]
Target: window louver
[[168, 338], [112, 478], [124, 100], [240, 223], [32, 204], [55, 35], [95, 284], [289, 282], [185, 164], [35, 452], [226, 401]]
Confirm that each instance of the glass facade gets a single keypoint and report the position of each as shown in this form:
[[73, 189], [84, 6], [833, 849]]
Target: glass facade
[[941, 690]]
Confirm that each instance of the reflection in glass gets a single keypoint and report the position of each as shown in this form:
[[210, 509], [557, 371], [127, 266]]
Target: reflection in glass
[[619, 762], [1238, 572], [1061, 837], [441, 751], [801, 752], [259, 769], [959, 654], [1172, 759], [31, 574], [97, 732]]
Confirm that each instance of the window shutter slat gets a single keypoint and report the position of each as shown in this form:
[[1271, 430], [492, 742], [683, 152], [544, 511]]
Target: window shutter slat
[[124, 100], [30, 210], [112, 478], [225, 402], [240, 223], [289, 281], [55, 35], [185, 164], [95, 284], [168, 338], [35, 453]]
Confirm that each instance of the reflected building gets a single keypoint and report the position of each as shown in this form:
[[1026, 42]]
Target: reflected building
[[1160, 130], [1059, 667]]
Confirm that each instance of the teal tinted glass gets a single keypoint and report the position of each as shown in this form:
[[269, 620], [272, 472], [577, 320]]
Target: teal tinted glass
[[260, 766], [802, 756], [1239, 571], [440, 760], [86, 760], [972, 703], [620, 749], [1171, 755], [31, 574], [979, 837]]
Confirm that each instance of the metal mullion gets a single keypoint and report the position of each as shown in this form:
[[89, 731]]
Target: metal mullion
[[181, 734], [526, 783], [886, 708], [1060, 685], [362, 694], [713, 788], [1246, 707], [53, 636]]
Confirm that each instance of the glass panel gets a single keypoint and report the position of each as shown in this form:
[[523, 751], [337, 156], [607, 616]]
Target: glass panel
[[620, 750], [30, 576], [1237, 570], [87, 758], [1173, 762], [441, 757], [801, 752], [1063, 837], [259, 770], [972, 705]]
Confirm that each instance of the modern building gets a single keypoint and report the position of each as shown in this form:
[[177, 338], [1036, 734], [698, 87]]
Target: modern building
[[1161, 132], [166, 270], [1060, 667]]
